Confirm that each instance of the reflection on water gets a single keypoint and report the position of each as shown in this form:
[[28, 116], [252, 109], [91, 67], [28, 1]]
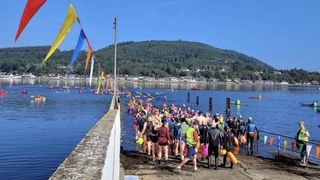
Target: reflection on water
[[36, 137], [55, 82], [160, 85]]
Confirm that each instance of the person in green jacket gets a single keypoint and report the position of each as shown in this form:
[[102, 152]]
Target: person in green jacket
[[302, 139], [191, 141]]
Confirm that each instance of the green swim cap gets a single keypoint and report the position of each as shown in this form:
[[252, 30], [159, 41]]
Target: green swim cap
[[188, 120]]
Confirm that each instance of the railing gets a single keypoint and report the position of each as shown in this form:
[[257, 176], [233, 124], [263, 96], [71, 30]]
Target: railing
[[270, 142]]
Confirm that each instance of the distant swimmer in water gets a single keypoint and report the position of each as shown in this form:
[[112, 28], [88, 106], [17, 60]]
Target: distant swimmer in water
[[314, 104], [238, 102], [258, 97]]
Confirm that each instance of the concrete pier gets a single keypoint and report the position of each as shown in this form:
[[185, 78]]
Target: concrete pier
[[97, 156]]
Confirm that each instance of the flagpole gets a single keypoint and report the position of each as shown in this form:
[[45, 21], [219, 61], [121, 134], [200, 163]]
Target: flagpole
[[115, 56]]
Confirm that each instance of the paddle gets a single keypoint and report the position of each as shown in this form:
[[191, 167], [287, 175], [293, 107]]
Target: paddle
[[242, 104]]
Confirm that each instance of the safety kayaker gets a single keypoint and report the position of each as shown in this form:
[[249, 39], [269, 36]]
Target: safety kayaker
[[314, 104], [302, 139]]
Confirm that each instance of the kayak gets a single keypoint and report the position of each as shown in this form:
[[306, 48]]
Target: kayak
[[303, 104], [242, 104], [258, 97], [3, 93], [195, 89]]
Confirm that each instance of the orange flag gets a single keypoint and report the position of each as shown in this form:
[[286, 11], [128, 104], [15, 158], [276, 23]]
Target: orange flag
[[317, 151], [89, 53], [271, 140]]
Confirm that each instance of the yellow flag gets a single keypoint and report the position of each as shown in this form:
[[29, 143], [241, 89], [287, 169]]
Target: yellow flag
[[71, 17], [285, 145], [100, 82]]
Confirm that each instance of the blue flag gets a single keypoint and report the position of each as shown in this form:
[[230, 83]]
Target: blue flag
[[278, 142], [78, 47]]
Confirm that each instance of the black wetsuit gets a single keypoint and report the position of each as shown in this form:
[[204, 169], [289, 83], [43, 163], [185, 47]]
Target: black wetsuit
[[215, 140]]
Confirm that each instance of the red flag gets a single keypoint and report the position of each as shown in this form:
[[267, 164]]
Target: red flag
[[293, 146], [29, 11]]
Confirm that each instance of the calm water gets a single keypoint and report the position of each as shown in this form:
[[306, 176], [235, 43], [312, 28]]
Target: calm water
[[36, 138], [280, 113]]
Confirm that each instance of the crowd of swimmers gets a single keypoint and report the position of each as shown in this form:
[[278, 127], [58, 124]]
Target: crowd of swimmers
[[188, 134]]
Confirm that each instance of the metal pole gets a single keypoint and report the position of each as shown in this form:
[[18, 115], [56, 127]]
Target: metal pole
[[115, 56]]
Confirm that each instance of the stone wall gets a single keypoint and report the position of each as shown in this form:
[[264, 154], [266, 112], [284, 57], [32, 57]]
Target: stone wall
[[97, 156]]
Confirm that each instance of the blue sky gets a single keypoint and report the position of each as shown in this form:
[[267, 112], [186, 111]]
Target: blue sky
[[282, 33]]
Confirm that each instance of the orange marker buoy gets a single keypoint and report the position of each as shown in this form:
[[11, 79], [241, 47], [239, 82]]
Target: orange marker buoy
[[243, 139], [232, 158], [198, 146], [236, 142], [236, 150]]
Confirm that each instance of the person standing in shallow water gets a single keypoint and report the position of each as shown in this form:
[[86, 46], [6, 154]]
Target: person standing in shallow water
[[302, 139]]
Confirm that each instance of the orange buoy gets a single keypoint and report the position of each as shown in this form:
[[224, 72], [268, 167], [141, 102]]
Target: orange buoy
[[232, 158], [236, 142], [236, 150], [243, 139], [198, 146], [222, 152]]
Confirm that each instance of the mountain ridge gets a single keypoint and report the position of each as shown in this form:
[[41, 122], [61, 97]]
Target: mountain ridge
[[156, 59]]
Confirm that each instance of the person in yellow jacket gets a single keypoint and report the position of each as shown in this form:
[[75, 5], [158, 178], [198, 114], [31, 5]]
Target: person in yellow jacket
[[302, 139], [191, 141]]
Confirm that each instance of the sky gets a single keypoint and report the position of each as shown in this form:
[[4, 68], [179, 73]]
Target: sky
[[282, 33]]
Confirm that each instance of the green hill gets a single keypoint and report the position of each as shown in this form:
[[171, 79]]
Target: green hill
[[175, 58], [156, 59]]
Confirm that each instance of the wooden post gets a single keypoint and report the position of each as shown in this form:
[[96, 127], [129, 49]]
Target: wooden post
[[197, 100], [210, 103], [115, 56], [228, 111]]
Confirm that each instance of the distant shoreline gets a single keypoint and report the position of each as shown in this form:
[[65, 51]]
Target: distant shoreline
[[122, 80]]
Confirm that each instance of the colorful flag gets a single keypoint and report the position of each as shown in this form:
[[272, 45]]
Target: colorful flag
[[78, 47], [300, 147], [91, 71], [100, 82], [30, 10], [309, 147], [293, 146], [70, 18], [265, 139], [285, 145], [278, 142], [317, 151], [271, 141], [89, 53]]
